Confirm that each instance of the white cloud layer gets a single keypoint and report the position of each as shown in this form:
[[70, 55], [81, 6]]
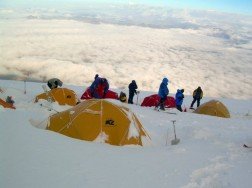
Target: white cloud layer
[[192, 49]]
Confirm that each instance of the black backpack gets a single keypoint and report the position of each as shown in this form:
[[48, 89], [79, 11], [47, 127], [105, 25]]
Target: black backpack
[[122, 97]]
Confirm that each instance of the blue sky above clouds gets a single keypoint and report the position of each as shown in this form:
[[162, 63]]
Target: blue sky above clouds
[[241, 6], [234, 6]]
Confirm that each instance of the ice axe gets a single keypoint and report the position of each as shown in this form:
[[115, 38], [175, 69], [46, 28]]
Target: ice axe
[[175, 141]]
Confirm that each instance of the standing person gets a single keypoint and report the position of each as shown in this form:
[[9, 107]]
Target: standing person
[[162, 93], [104, 87], [197, 96], [54, 83], [99, 87], [96, 76], [179, 99], [94, 86], [132, 90]]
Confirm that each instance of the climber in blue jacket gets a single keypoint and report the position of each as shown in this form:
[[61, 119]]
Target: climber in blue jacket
[[179, 99]]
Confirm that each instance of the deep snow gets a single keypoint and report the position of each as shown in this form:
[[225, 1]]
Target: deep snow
[[210, 152]]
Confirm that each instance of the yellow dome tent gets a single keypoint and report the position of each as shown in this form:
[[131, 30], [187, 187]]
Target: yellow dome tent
[[99, 120], [213, 108], [63, 96]]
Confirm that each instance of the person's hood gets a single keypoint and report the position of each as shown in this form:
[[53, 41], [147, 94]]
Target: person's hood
[[180, 90], [165, 81]]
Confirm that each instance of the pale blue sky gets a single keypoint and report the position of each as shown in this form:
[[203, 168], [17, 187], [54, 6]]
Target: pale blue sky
[[236, 6], [242, 6]]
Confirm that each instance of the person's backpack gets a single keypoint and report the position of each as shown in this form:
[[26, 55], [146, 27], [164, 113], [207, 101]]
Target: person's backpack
[[122, 97]]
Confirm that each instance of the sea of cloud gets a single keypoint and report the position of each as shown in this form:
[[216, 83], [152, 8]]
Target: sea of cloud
[[192, 48]]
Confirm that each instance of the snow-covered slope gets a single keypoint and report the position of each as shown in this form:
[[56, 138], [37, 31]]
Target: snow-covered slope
[[210, 152]]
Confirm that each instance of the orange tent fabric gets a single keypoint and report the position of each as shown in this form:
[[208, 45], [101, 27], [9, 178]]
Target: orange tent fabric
[[99, 120], [213, 108], [63, 96]]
